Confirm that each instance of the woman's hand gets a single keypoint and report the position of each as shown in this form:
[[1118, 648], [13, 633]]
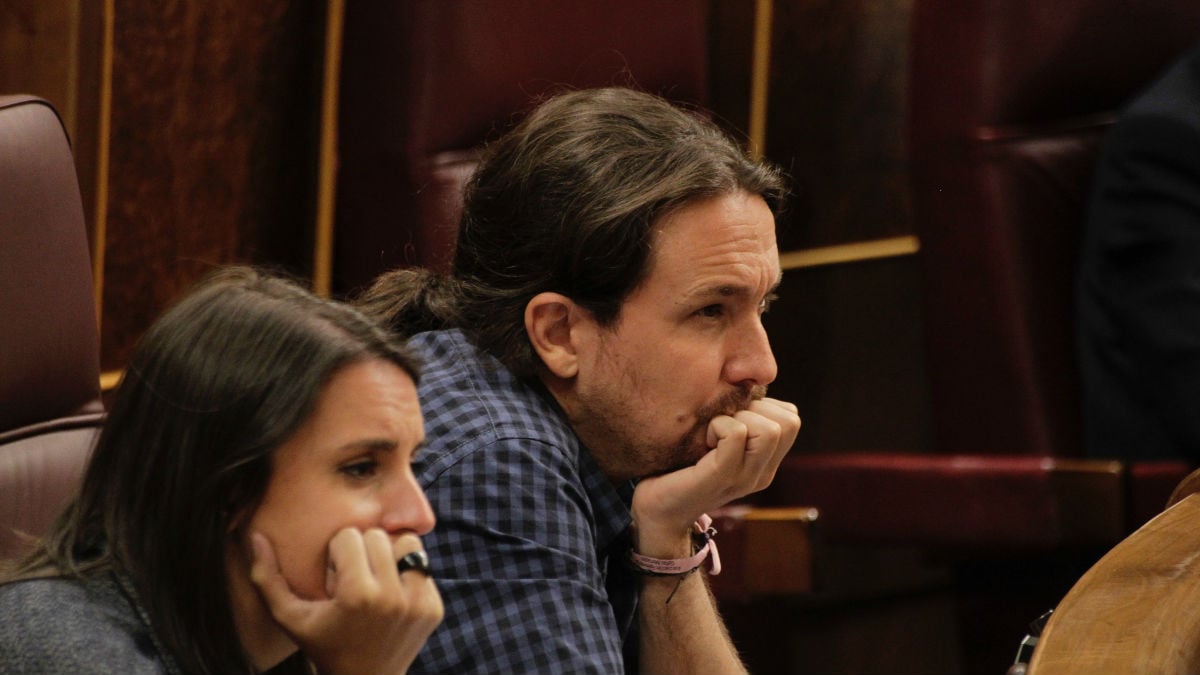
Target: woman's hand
[[375, 619]]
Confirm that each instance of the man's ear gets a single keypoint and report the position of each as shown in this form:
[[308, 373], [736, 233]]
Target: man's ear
[[549, 319]]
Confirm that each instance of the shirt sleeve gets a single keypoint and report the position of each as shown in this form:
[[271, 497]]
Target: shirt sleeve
[[515, 560]]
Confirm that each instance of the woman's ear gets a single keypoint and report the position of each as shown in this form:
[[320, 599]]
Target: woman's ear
[[549, 319], [236, 520]]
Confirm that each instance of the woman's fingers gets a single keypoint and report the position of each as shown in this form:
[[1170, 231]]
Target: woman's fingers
[[375, 618], [283, 604]]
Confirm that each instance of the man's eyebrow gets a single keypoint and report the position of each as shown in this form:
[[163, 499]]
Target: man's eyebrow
[[722, 290], [732, 290]]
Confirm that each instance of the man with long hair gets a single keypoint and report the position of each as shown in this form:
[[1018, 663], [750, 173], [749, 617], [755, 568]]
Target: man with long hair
[[595, 376]]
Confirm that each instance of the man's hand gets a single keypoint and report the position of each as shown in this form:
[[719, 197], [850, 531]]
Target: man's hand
[[375, 619], [747, 450]]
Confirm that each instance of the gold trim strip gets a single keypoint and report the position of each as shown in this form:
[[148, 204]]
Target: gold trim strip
[[327, 161], [100, 233], [855, 252], [760, 78], [110, 379]]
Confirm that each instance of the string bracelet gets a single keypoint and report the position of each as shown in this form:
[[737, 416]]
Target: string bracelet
[[704, 545]]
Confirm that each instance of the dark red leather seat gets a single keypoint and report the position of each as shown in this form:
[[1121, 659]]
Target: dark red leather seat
[[426, 82], [50, 406]]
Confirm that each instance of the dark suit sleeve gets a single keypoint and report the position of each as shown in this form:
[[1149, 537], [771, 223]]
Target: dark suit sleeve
[[1140, 277]]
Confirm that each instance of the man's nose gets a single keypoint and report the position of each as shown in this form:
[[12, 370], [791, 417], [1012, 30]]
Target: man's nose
[[751, 360]]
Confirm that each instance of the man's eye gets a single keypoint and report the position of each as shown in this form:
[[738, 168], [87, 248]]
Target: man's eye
[[362, 469], [711, 311]]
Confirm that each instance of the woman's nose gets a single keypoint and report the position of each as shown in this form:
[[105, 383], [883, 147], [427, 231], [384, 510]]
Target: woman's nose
[[406, 508]]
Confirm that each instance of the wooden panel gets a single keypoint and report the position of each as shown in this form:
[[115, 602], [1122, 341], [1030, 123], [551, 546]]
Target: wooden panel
[[90, 78], [836, 118], [38, 52], [731, 45], [51, 48], [879, 610], [213, 150], [849, 343]]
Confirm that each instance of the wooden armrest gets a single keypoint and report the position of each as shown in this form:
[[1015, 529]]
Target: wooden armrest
[[1134, 611], [1187, 487]]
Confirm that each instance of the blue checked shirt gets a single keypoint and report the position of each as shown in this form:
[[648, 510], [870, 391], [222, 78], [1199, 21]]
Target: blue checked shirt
[[529, 530]]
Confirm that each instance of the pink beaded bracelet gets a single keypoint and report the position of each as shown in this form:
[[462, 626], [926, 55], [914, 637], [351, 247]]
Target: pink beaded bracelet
[[706, 547]]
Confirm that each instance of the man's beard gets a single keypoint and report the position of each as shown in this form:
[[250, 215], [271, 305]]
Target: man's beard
[[694, 444]]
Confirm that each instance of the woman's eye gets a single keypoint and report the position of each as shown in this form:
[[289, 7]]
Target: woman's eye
[[361, 469]]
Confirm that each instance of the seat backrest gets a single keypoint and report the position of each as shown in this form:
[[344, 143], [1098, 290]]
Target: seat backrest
[[426, 82], [50, 404], [1009, 102]]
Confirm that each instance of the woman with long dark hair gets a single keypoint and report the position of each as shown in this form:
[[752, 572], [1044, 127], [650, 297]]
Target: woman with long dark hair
[[245, 505]]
